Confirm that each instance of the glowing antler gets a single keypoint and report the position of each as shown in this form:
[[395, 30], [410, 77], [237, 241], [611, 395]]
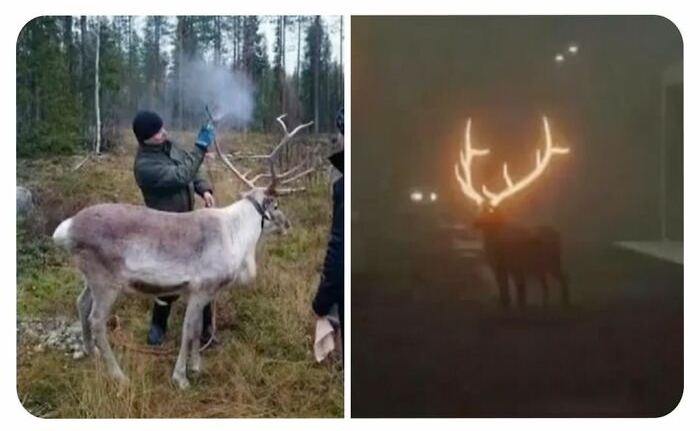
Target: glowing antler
[[541, 163], [466, 157]]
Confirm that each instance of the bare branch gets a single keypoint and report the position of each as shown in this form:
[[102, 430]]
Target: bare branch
[[81, 163]]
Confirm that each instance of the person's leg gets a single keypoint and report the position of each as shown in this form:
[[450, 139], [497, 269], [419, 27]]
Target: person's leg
[[341, 316], [159, 320], [207, 331]]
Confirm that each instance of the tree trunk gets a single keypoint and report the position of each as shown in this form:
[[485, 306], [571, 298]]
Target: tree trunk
[[340, 59], [156, 63], [98, 126], [298, 56], [179, 75], [130, 68], [283, 63], [84, 95], [83, 45], [68, 44], [236, 55], [317, 64], [217, 40]]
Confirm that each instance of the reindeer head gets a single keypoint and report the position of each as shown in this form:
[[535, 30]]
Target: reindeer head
[[489, 215], [488, 218], [266, 196], [275, 219]]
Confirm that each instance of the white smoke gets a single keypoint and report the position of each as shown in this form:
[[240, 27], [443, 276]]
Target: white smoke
[[228, 93]]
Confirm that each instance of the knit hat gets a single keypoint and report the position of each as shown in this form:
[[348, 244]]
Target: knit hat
[[146, 124]]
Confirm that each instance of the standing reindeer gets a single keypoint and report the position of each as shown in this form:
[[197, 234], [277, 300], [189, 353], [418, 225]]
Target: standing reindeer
[[512, 251], [126, 248]]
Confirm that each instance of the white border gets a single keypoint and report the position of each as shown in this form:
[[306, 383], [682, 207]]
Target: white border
[[680, 12]]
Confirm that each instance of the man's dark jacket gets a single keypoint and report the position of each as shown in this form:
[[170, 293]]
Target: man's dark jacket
[[330, 291], [168, 176]]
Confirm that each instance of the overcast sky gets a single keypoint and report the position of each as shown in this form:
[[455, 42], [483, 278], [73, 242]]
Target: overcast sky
[[267, 27]]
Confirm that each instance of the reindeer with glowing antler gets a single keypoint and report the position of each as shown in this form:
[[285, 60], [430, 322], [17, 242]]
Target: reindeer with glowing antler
[[511, 251]]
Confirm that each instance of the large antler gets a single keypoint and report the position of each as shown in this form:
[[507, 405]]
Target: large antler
[[231, 167], [494, 199], [271, 159], [540, 165], [466, 157]]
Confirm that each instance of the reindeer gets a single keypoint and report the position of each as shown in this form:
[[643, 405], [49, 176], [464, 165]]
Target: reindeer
[[126, 248], [512, 251]]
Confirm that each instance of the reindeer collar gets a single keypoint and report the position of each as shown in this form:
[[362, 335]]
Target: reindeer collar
[[260, 211]]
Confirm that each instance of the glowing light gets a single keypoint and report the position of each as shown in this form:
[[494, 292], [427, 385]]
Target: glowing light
[[466, 156], [433, 197], [541, 162], [416, 196], [573, 49], [559, 58], [539, 169]]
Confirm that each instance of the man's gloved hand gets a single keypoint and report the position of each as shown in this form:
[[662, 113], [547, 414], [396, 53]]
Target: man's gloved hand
[[205, 137]]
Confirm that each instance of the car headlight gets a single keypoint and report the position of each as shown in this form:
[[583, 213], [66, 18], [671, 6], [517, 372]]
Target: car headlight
[[416, 196]]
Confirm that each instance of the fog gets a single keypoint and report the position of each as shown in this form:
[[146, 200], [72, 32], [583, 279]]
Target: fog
[[416, 80]]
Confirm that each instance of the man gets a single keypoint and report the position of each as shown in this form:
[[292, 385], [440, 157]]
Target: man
[[168, 177], [330, 291]]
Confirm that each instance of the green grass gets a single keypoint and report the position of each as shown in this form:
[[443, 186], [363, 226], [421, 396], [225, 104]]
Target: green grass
[[264, 366]]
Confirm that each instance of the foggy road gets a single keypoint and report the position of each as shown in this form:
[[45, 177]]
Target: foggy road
[[428, 338]]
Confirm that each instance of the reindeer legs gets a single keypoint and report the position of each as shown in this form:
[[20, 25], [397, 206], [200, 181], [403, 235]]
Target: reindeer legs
[[195, 359], [521, 290], [191, 329], [103, 298], [503, 289], [84, 304], [563, 280], [545, 288]]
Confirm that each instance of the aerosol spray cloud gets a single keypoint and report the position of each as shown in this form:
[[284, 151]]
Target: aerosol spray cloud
[[228, 93]]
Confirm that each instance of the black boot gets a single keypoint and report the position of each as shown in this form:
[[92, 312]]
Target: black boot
[[207, 328], [159, 321]]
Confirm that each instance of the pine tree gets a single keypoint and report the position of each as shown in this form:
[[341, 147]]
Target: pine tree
[[154, 61], [141, 67], [112, 76], [314, 76], [278, 73], [47, 114], [255, 63]]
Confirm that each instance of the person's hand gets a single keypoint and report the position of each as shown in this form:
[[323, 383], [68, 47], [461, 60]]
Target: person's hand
[[209, 201], [205, 137]]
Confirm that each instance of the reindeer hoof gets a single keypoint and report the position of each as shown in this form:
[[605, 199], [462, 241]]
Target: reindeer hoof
[[181, 381], [121, 378], [91, 351]]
